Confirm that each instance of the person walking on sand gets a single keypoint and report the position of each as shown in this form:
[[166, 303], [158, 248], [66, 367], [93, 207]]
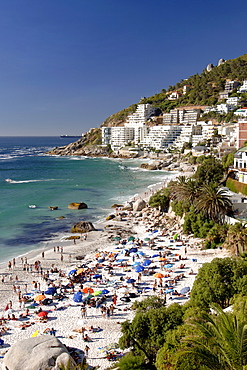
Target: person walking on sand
[[86, 349]]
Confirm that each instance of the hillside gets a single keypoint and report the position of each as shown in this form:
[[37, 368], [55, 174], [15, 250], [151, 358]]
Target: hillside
[[204, 90]]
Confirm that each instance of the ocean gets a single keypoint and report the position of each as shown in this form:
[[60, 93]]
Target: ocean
[[47, 181]]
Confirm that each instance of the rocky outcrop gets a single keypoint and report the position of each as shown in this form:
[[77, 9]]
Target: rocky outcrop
[[128, 206], [82, 227], [148, 166], [44, 352], [139, 205], [80, 205]]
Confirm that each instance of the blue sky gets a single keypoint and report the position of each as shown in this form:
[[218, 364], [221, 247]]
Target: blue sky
[[66, 65]]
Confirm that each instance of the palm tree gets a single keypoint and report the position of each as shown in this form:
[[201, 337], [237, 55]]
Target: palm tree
[[185, 189], [236, 239], [213, 202], [220, 342]]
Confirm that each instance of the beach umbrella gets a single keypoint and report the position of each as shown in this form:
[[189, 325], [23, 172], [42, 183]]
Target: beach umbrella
[[175, 237], [140, 253], [136, 263], [35, 334], [97, 276], [117, 238], [88, 290], [139, 269], [42, 314], [72, 272], [159, 275], [97, 293], [51, 290], [155, 231], [131, 238], [105, 291], [147, 263], [133, 250], [130, 281], [168, 265], [185, 290], [77, 297], [40, 297], [170, 290], [101, 260], [155, 255], [79, 271], [162, 259], [146, 239]]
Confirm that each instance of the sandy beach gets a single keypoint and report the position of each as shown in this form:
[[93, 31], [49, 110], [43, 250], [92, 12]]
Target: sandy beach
[[106, 253]]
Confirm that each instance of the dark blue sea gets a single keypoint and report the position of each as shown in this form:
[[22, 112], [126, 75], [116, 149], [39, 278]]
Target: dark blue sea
[[46, 181]]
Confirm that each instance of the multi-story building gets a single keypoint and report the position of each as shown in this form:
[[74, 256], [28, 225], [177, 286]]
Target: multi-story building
[[106, 135], [241, 129], [233, 101], [120, 136], [243, 88], [242, 112], [231, 85], [138, 119], [161, 137]]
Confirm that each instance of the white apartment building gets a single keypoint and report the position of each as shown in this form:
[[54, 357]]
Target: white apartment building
[[119, 137], [243, 88], [161, 137], [240, 163], [233, 101], [138, 119], [184, 137], [242, 112]]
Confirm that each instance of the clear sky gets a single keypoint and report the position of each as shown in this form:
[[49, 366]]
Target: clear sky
[[66, 65]]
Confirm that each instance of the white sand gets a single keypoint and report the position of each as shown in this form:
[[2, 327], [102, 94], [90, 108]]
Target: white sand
[[65, 321]]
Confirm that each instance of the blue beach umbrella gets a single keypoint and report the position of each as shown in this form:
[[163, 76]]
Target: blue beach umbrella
[[137, 263], [155, 255], [97, 276], [140, 253], [101, 260], [168, 266], [169, 291], [105, 291], [77, 297], [185, 290], [133, 250], [139, 269], [147, 263], [130, 281], [72, 272]]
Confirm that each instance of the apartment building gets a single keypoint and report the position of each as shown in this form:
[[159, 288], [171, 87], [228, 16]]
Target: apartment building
[[243, 87], [242, 112], [161, 137], [231, 85], [241, 128]]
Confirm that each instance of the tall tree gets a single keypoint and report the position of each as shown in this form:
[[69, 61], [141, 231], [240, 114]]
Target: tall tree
[[214, 202]]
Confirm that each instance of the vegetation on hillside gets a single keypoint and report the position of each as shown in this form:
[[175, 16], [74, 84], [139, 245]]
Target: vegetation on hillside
[[204, 90]]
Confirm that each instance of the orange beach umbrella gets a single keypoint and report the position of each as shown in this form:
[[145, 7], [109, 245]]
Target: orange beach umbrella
[[40, 297], [88, 290], [158, 275]]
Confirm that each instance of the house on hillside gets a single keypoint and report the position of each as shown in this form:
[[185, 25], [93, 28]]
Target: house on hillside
[[240, 165]]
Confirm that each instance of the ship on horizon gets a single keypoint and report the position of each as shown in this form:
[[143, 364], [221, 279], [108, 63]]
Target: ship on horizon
[[71, 136]]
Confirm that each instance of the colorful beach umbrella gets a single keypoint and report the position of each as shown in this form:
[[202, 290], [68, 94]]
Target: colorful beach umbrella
[[131, 238], [105, 291], [39, 297], [43, 314], [88, 290], [168, 265], [158, 275], [117, 238], [97, 293]]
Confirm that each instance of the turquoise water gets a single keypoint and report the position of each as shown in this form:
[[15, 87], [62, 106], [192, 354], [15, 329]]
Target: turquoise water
[[44, 181]]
